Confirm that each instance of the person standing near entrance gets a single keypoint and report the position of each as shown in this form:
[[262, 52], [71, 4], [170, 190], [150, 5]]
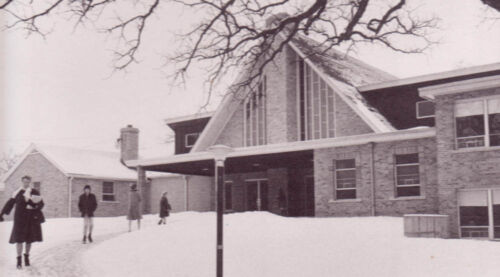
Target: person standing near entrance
[[28, 218], [164, 209], [134, 207], [87, 205]]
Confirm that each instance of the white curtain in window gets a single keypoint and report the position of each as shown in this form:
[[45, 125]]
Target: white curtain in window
[[493, 106], [473, 198], [468, 108]]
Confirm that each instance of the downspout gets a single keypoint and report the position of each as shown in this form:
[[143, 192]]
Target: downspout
[[186, 193], [372, 144], [70, 192]]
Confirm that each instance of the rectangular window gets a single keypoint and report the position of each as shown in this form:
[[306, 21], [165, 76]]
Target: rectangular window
[[345, 179], [108, 191], [190, 139], [477, 123], [228, 195], [316, 104], [425, 109], [37, 186], [407, 175], [255, 115], [474, 218]]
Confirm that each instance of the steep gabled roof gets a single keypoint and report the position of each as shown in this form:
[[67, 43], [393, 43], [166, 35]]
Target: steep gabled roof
[[338, 65], [343, 73]]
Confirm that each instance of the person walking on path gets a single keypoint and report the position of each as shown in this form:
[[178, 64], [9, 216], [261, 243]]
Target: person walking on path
[[164, 209], [134, 207], [28, 218], [87, 204]]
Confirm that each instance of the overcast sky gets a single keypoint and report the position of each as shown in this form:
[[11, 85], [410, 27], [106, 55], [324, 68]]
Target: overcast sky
[[61, 91]]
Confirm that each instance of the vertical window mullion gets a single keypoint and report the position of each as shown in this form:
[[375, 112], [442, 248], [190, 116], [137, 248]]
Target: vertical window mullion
[[486, 124], [245, 126], [306, 101], [491, 227], [313, 112]]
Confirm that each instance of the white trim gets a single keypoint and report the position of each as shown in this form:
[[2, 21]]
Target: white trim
[[375, 127], [186, 139], [297, 97], [353, 200], [431, 77], [430, 92], [178, 119], [425, 132], [229, 105], [417, 110]]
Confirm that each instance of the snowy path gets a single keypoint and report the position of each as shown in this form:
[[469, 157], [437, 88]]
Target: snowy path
[[60, 254], [64, 260]]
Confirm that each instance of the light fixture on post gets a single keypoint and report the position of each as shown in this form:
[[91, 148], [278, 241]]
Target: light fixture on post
[[220, 152]]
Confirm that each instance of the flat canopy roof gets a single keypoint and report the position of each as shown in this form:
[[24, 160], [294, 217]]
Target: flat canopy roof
[[258, 158], [251, 163]]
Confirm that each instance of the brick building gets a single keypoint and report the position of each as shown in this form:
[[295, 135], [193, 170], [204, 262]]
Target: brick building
[[328, 135]]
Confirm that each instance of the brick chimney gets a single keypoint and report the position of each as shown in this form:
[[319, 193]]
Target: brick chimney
[[129, 143]]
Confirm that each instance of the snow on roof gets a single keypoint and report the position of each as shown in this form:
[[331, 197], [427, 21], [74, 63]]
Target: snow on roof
[[189, 117], [85, 162], [339, 65], [344, 73]]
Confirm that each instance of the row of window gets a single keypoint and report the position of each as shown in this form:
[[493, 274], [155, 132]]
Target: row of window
[[407, 177]]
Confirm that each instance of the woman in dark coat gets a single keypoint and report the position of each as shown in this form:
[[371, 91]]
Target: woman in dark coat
[[134, 207], [87, 204], [164, 209], [28, 217]]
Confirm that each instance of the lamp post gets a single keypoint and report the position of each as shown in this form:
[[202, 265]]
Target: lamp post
[[220, 152]]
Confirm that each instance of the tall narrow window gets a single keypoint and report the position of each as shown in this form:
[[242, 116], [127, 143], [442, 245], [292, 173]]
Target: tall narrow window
[[345, 179], [407, 175], [316, 104], [108, 191], [255, 116]]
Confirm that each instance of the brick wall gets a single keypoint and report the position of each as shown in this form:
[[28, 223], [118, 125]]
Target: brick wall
[[348, 122], [201, 194], [459, 169], [53, 188], [385, 201], [119, 207], [176, 193]]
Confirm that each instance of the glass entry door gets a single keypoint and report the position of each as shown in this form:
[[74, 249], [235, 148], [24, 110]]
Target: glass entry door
[[257, 195]]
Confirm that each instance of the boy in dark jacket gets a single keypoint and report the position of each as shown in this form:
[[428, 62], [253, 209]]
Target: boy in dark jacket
[[87, 205]]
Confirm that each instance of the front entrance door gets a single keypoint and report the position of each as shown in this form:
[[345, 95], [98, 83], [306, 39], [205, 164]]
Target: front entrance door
[[257, 195]]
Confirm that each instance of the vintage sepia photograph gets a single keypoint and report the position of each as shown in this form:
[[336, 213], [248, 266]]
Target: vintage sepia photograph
[[250, 138]]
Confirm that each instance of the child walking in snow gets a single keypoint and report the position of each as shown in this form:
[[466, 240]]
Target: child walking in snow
[[134, 207], [28, 218], [87, 205], [164, 209]]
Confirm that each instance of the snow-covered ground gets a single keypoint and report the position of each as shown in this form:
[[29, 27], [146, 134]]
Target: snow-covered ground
[[256, 244]]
